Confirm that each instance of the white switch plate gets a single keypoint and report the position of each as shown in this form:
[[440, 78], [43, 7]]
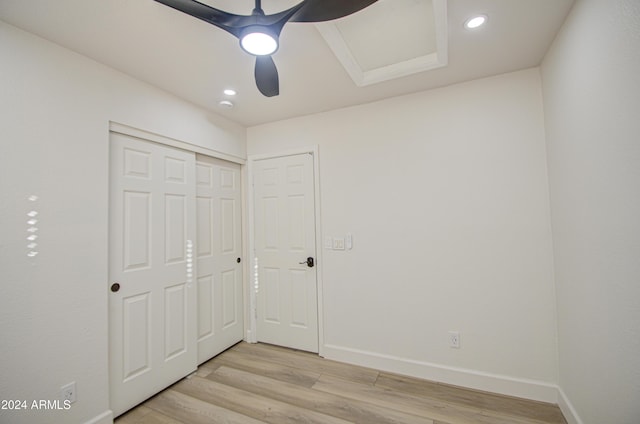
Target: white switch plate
[[348, 241], [338, 243], [328, 242]]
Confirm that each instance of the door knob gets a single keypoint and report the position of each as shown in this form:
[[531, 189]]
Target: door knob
[[309, 262], [115, 287]]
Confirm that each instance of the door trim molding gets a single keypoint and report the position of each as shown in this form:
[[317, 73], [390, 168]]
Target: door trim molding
[[313, 150], [149, 136]]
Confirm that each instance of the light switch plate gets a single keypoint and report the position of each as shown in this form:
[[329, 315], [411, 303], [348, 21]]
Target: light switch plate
[[338, 243], [328, 242]]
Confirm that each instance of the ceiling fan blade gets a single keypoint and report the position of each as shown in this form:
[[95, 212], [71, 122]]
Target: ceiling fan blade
[[277, 20], [327, 10], [267, 76], [224, 20]]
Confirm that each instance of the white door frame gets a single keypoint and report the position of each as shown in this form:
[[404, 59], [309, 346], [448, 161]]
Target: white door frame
[[161, 139], [252, 336]]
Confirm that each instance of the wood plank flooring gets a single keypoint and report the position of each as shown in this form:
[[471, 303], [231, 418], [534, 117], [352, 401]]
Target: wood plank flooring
[[258, 383]]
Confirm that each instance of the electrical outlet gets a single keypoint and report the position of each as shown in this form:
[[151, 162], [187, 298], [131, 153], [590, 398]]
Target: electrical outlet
[[68, 392], [454, 339]]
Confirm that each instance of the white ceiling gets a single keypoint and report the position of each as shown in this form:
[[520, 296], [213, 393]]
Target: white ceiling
[[197, 61]]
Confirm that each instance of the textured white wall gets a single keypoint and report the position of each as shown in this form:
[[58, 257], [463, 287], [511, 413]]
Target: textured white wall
[[591, 81], [55, 108], [446, 195]]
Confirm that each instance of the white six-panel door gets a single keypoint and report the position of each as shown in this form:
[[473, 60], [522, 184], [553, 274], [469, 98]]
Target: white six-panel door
[[218, 253], [284, 209], [152, 296]]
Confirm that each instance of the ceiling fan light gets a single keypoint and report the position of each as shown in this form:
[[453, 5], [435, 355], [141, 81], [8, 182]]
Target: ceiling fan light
[[259, 41]]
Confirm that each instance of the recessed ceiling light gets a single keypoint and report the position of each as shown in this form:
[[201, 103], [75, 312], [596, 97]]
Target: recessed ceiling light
[[475, 22], [230, 92], [226, 104]]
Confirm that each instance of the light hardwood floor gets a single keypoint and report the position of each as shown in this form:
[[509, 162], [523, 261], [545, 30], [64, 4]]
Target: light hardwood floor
[[258, 383]]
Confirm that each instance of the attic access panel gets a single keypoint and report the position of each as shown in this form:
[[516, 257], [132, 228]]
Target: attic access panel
[[390, 39]]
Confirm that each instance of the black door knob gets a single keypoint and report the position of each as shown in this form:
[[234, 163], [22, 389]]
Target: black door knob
[[238, 260], [115, 287], [309, 262]]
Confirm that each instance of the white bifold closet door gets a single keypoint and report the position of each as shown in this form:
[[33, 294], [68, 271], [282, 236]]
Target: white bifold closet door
[[219, 256], [172, 291], [152, 298]]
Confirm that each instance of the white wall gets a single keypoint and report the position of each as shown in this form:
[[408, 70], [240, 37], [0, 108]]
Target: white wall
[[592, 108], [446, 195], [55, 108]]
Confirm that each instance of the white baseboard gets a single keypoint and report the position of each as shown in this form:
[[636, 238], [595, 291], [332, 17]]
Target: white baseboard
[[567, 408], [105, 418], [518, 387]]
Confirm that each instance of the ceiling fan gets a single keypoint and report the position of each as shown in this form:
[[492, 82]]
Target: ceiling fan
[[259, 33]]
